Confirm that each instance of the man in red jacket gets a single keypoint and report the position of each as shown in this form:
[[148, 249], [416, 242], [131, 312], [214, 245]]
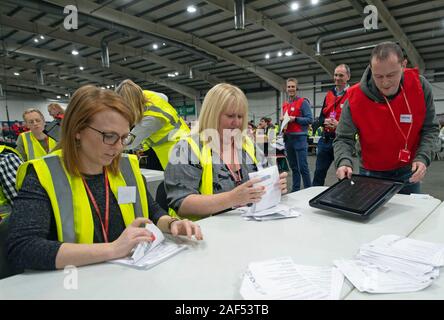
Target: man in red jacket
[[393, 112], [329, 119], [296, 146]]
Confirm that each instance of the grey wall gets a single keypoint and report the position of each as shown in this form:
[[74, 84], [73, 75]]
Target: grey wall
[[17, 105]]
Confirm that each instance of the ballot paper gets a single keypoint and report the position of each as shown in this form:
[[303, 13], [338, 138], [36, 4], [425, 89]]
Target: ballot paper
[[285, 121], [279, 211], [367, 277], [281, 278], [148, 254], [270, 180], [394, 264]]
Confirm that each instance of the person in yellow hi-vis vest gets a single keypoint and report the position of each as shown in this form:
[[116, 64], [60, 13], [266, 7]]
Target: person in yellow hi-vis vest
[[34, 144], [10, 160], [208, 171], [158, 126], [86, 202]]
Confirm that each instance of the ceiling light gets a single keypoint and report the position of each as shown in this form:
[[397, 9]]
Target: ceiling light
[[164, 44], [314, 2], [66, 95], [176, 73], [289, 53], [279, 54], [294, 6], [59, 97], [267, 56], [191, 9], [74, 52], [102, 88], [155, 46], [42, 37], [36, 40], [107, 87], [81, 68], [16, 73], [112, 86]]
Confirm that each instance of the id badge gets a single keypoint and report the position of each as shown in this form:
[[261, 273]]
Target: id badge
[[332, 115], [404, 155]]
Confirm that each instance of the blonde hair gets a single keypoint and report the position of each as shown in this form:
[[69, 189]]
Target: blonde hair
[[57, 107], [30, 110], [133, 96], [86, 102], [219, 99]]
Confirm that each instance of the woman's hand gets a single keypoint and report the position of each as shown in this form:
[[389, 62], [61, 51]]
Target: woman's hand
[[246, 193], [283, 182], [130, 237], [187, 228]]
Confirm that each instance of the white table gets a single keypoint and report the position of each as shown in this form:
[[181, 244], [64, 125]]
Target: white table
[[432, 229], [213, 268], [153, 179]]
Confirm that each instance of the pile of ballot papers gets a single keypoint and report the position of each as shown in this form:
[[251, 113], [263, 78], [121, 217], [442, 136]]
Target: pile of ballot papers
[[279, 211], [148, 254], [393, 264], [281, 278], [269, 207]]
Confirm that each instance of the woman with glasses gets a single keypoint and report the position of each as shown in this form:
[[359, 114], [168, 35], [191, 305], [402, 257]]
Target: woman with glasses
[[208, 171], [86, 202], [34, 144]]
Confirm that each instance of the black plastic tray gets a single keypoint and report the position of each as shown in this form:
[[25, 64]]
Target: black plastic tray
[[358, 199]]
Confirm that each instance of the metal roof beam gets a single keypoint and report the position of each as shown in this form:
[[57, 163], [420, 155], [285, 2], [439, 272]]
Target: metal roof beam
[[127, 51], [92, 63], [279, 32], [91, 8], [395, 29]]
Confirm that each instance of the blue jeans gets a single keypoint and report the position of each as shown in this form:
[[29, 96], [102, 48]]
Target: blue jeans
[[324, 158], [297, 149], [402, 174]]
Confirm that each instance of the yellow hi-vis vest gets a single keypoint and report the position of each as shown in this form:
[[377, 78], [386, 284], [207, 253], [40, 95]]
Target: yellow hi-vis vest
[[206, 161], [163, 140], [3, 199], [33, 148], [70, 202]]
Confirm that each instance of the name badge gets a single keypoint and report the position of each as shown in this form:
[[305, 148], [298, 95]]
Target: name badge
[[126, 195], [406, 118]]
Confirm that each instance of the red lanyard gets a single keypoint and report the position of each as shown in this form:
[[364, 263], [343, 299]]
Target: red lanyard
[[394, 118], [47, 144], [105, 227], [236, 177]]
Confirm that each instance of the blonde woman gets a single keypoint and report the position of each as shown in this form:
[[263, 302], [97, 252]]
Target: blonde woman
[[158, 126], [208, 171], [69, 210]]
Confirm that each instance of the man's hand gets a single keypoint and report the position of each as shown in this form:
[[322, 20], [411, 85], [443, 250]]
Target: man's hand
[[419, 170], [343, 172]]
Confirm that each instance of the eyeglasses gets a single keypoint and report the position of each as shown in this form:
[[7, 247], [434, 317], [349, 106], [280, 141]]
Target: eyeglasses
[[111, 138]]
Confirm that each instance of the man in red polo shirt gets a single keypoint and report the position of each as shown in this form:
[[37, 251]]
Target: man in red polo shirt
[[329, 119], [296, 132], [393, 112]]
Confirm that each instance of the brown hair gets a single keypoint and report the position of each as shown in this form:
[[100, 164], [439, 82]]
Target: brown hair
[[383, 50], [56, 107], [133, 96], [86, 102]]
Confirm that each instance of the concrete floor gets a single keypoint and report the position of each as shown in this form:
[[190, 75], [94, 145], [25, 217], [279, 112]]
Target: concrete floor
[[433, 183]]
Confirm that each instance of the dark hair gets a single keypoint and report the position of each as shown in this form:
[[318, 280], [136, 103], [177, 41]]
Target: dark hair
[[383, 50]]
